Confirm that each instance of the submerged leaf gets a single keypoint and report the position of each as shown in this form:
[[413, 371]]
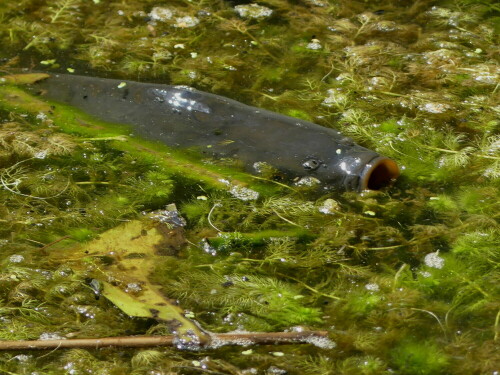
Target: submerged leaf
[[130, 252]]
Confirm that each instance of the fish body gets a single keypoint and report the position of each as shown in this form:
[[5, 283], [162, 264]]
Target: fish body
[[183, 117]]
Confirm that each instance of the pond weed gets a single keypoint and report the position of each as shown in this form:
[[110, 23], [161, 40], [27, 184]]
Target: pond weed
[[418, 358], [416, 81]]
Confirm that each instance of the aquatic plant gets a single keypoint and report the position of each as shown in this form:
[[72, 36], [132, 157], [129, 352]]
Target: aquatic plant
[[245, 300], [419, 358], [417, 82]]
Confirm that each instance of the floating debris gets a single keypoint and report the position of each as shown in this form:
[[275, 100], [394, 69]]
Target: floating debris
[[51, 336], [243, 193], [308, 181], [314, 45], [186, 22], [169, 216], [372, 287], [160, 14], [188, 341], [322, 342], [41, 116], [329, 207], [209, 249], [22, 357], [434, 107], [255, 11], [261, 167], [434, 260], [216, 342], [133, 288], [40, 155], [16, 258]]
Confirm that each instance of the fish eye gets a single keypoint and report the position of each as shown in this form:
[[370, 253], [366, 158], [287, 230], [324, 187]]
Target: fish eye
[[311, 164]]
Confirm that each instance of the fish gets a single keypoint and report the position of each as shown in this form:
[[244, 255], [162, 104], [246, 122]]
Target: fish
[[184, 117]]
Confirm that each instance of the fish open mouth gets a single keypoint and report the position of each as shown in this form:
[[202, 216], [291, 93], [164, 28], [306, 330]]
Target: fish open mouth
[[380, 172]]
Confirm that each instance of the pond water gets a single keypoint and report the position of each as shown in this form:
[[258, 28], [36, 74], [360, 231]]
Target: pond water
[[404, 280]]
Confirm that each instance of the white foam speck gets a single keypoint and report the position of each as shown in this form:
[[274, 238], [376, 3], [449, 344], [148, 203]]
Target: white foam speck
[[215, 342], [16, 258], [160, 14], [51, 336], [321, 342], [243, 193], [314, 45], [434, 107], [372, 287], [187, 21], [253, 11], [329, 206], [434, 260], [308, 181]]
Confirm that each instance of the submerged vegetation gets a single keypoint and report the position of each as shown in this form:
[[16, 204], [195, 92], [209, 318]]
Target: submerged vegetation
[[405, 279]]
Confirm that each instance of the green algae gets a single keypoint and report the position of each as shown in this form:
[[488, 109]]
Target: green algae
[[416, 81], [418, 358]]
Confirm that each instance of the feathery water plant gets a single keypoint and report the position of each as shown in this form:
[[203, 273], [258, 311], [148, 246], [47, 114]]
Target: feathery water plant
[[418, 83], [419, 358], [253, 301]]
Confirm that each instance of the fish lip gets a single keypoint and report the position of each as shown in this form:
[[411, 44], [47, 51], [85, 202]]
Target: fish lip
[[378, 173]]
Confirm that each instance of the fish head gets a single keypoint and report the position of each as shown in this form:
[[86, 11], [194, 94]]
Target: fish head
[[357, 169]]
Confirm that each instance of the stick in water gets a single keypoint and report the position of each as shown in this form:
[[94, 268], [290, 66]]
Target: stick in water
[[217, 340]]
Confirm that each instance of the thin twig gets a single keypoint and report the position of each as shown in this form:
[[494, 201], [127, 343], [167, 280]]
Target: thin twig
[[396, 276], [455, 151], [54, 242], [285, 219], [327, 74], [275, 182], [497, 320], [427, 312], [7, 174], [435, 317], [216, 340], [310, 287], [210, 213]]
